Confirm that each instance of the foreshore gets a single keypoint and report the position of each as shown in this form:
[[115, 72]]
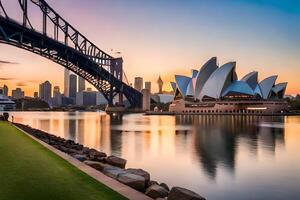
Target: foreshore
[[113, 167]]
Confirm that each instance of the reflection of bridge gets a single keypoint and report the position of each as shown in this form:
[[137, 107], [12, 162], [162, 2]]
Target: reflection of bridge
[[69, 48]]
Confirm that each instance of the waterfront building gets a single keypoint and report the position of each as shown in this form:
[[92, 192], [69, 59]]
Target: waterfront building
[[215, 89], [5, 90], [45, 91], [6, 104], [160, 85], [138, 83], [146, 99], [57, 96], [86, 98], [90, 98], [17, 93], [36, 95], [73, 87], [66, 82], [148, 86], [81, 84]]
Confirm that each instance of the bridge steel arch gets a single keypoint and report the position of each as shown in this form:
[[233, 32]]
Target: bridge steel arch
[[84, 58]]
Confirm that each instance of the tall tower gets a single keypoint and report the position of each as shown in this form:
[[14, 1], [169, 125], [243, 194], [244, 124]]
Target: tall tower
[[5, 90], [160, 85], [81, 84], [73, 87], [138, 83], [66, 82], [148, 86], [45, 91]]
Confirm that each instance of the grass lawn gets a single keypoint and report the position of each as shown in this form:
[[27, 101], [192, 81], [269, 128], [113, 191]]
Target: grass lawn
[[29, 171]]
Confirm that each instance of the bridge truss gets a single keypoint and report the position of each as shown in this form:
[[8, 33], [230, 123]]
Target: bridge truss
[[75, 52]]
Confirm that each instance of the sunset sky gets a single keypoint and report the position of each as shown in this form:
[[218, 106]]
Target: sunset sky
[[164, 37]]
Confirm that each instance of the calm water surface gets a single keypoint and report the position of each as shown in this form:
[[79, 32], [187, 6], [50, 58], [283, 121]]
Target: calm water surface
[[220, 157]]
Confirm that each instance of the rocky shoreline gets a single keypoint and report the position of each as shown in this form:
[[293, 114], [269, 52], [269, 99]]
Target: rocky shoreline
[[113, 167]]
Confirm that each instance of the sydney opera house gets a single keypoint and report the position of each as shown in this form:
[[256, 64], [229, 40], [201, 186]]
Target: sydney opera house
[[217, 90]]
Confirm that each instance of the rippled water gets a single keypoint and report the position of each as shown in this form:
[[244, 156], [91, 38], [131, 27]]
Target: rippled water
[[220, 157]]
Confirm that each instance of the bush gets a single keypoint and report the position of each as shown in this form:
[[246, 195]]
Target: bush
[[5, 116]]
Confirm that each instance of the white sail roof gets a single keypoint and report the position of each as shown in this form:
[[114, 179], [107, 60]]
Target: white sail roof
[[266, 86], [279, 89], [182, 83], [219, 80], [251, 78], [238, 88], [174, 86], [203, 75]]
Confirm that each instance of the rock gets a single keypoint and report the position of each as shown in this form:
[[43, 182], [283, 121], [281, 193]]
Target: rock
[[140, 172], [94, 154], [165, 186], [96, 165], [113, 172], [80, 157], [156, 191], [152, 183], [135, 181], [86, 150], [116, 161], [178, 193]]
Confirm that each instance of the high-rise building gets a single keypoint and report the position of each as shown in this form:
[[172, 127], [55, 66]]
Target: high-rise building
[[5, 90], [148, 86], [81, 84], [57, 97], [35, 94], [146, 99], [45, 91], [86, 98], [73, 87], [17, 93], [160, 85], [138, 83], [66, 82]]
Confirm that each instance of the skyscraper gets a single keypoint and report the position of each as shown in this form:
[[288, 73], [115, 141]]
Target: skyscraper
[[45, 91], [66, 82], [35, 94], [148, 86], [160, 85], [57, 97], [17, 93], [73, 87], [138, 83], [81, 84], [5, 90]]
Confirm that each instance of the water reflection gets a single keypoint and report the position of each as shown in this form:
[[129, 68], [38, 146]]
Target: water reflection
[[216, 138], [204, 153]]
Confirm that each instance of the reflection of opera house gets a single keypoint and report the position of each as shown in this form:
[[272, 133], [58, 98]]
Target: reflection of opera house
[[217, 90]]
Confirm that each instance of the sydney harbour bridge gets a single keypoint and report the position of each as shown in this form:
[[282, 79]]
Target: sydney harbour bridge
[[68, 47]]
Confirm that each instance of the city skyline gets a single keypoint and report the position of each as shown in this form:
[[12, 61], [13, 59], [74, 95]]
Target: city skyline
[[261, 38]]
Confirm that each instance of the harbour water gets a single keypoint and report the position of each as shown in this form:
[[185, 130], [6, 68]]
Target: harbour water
[[219, 157]]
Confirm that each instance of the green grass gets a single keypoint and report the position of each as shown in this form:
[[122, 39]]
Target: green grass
[[29, 171]]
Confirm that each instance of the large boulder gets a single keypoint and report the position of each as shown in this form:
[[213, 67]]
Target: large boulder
[[135, 181], [140, 172], [178, 193], [116, 161], [165, 186], [156, 191], [96, 165], [94, 154], [80, 157], [113, 172]]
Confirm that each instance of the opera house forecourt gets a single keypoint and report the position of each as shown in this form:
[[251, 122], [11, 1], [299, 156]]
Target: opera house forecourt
[[217, 90]]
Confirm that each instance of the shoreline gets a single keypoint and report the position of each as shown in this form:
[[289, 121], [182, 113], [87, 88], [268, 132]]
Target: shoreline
[[111, 167]]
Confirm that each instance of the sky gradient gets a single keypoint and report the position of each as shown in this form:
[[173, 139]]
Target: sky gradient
[[171, 37]]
